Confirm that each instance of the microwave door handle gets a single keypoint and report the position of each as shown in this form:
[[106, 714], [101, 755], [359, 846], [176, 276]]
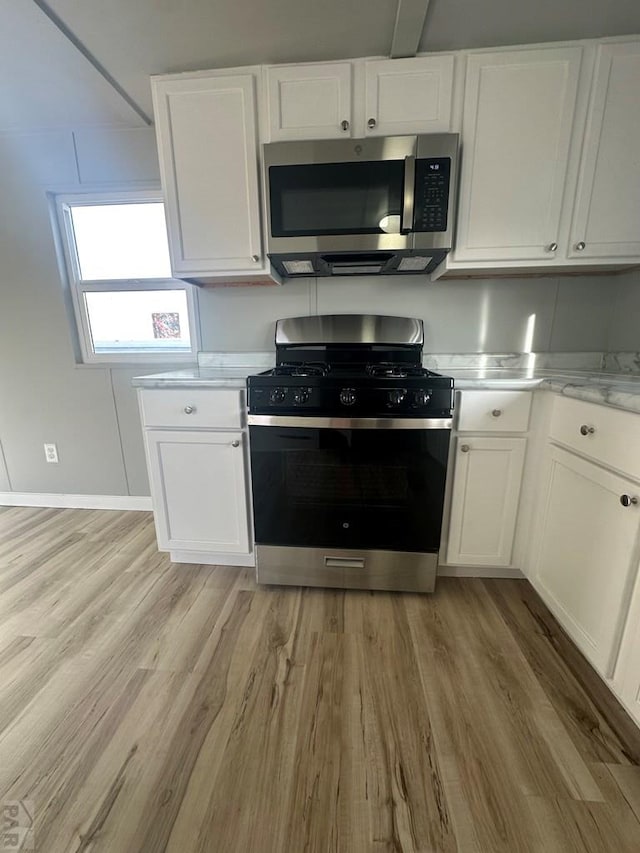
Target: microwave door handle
[[409, 190]]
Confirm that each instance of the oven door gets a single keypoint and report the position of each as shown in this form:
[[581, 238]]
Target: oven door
[[349, 488]]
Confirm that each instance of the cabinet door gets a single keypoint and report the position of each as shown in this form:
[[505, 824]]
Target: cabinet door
[[309, 101], [606, 222], [209, 165], [485, 496], [199, 490], [517, 124], [627, 674], [408, 95], [588, 559]]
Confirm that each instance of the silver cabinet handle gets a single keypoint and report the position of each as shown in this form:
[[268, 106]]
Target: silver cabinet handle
[[587, 430], [465, 448], [371, 123], [235, 443], [189, 410], [255, 258], [496, 413], [344, 124], [580, 246], [552, 247], [627, 500]]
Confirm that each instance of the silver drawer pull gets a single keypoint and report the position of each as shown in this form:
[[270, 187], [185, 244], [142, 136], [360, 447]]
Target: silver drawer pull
[[627, 500], [465, 448], [235, 443], [189, 410], [344, 562], [496, 413], [587, 430]]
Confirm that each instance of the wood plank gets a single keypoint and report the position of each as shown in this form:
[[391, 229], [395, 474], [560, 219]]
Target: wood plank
[[597, 723], [148, 706]]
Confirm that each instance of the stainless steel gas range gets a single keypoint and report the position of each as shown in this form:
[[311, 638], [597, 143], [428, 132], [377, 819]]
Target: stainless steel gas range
[[349, 439]]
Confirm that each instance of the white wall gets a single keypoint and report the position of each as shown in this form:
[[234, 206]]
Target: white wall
[[624, 325], [91, 412]]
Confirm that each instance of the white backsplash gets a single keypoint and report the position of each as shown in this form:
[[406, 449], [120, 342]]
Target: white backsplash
[[514, 360], [608, 362]]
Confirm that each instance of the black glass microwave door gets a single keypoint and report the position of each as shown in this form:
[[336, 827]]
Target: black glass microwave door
[[365, 489], [336, 198]]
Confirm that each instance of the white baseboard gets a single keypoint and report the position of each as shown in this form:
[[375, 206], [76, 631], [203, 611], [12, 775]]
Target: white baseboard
[[206, 559], [478, 572], [121, 502]]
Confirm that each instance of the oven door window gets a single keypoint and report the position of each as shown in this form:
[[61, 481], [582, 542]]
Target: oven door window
[[365, 489], [336, 198]]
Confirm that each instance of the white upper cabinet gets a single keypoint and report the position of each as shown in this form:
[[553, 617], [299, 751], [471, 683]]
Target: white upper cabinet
[[309, 101], [606, 222], [207, 141], [517, 125], [408, 95]]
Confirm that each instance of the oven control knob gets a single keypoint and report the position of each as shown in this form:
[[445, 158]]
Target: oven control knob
[[347, 396], [396, 396], [421, 398], [277, 395], [301, 395]]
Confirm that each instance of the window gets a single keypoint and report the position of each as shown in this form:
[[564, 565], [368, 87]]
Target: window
[[126, 305]]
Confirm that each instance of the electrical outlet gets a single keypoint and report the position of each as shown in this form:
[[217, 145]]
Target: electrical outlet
[[51, 452]]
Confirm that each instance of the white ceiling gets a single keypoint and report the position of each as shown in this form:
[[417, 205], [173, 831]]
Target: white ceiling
[[456, 24], [46, 82]]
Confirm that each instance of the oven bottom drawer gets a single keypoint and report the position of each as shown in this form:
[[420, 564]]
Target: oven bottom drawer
[[400, 571]]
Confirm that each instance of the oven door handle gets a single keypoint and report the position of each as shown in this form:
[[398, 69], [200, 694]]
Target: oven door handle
[[312, 422], [406, 225]]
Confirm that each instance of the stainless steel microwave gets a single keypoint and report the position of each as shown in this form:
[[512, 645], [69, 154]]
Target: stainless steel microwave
[[382, 206]]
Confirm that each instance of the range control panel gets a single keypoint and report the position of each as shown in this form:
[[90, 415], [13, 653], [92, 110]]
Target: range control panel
[[431, 194]]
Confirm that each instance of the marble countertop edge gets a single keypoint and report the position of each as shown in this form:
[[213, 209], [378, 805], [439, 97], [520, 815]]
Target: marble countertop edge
[[617, 390]]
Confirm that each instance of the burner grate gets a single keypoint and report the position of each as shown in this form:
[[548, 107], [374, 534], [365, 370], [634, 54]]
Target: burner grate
[[390, 370], [303, 369]]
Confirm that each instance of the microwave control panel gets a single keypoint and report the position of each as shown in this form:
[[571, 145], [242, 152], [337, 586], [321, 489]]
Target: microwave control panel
[[431, 200]]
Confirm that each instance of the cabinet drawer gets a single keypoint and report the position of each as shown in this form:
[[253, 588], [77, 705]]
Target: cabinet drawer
[[220, 408], [493, 411], [612, 436]]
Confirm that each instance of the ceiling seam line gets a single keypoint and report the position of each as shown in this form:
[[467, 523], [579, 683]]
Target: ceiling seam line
[[408, 30], [68, 33]]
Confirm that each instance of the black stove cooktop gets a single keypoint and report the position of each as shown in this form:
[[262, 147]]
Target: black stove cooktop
[[364, 390], [362, 366]]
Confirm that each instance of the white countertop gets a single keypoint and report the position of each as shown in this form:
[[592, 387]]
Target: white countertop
[[621, 391], [198, 377]]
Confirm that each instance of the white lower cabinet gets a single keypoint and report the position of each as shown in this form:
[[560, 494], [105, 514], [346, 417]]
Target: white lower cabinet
[[627, 675], [588, 558], [197, 457], [486, 492], [200, 492]]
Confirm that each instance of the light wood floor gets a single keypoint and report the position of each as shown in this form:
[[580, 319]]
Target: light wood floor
[[151, 707]]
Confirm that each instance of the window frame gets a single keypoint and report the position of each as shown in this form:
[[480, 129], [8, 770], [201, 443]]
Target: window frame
[[77, 287]]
